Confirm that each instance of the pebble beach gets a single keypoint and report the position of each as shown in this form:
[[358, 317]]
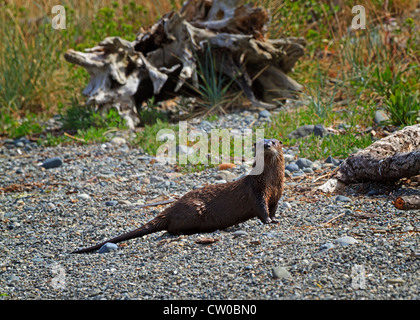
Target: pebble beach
[[353, 245]]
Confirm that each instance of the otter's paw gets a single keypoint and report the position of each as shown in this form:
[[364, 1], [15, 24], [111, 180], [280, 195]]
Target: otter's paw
[[266, 220]]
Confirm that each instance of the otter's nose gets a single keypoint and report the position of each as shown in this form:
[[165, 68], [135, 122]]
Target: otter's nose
[[267, 143]]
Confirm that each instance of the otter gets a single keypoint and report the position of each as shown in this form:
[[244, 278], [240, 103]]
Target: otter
[[219, 206]]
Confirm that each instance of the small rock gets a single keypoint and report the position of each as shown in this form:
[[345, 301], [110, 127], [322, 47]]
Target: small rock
[[341, 198], [108, 247], [380, 116], [51, 205], [304, 163], [225, 175], [143, 180], [301, 132], [281, 273], [118, 141], [111, 203], [289, 158], [205, 123], [52, 163], [307, 170], [83, 196], [345, 241], [94, 292], [395, 280], [264, 114], [298, 173], [291, 167], [326, 246], [249, 119], [156, 179], [286, 205], [330, 159], [316, 165], [320, 131], [373, 193], [239, 233], [12, 278]]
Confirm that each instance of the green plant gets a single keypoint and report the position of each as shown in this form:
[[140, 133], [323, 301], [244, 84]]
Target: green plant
[[146, 139], [213, 86], [403, 107], [339, 146], [54, 140], [79, 117], [149, 114], [28, 126]]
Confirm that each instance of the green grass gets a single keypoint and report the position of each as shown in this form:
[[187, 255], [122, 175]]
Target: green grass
[[146, 139]]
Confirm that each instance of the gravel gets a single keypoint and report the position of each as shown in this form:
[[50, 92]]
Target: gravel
[[364, 252]]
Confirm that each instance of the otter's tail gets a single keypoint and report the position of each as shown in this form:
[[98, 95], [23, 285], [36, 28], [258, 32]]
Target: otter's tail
[[157, 224]]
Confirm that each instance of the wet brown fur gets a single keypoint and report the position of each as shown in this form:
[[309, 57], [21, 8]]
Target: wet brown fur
[[218, 206]]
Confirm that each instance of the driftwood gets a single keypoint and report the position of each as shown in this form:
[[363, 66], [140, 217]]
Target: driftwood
[[161, 60], [390, 159], [407, 202]]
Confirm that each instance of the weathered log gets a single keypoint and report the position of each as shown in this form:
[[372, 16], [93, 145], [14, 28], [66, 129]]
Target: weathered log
[[392, 158], [160, 61], [407, 202]]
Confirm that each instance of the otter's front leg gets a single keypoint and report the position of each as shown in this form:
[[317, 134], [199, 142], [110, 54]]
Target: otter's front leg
[[263, 212], [273, 210]]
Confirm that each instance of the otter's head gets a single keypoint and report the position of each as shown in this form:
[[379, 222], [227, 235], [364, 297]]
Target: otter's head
[[272, 146], [268, 147], [267, 152]]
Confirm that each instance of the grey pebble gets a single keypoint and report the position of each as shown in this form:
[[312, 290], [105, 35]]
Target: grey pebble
[[380, 116], [12, 278], [307, 170], [291, 167], [264, 114], [301, 132], [111, 203], [326, 246], [320, 131], [345, 241], [298, 173], [281, 273], [118, 141], [333, 161], [341, 198], [108, 247], [239, 233], [52, 163], [83, 196], [304, 163], [289, 158], [286, 205]]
